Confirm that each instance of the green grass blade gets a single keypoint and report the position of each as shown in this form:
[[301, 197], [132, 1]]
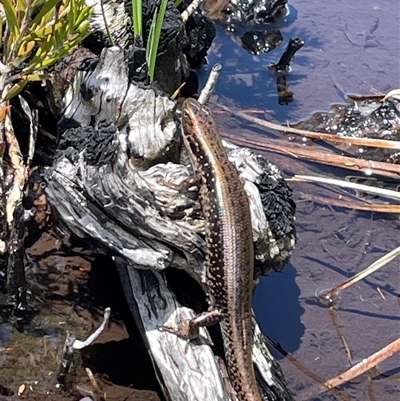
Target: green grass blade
[[14, 90], [137, 11], [48, 6], [150, 39], [11, 17], [1, 31], [22, 5], [155, 39]]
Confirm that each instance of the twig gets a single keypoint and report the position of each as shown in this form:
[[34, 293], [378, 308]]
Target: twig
[[72, 344], [190, 9], [32, 116], [350, 163], [307, 372], [4, 108], [209, 87], [371, 207], [364, 365], [395, 93], [328, 294], [377, 143], [346, 184], [103, 12], [82, 344], [92, 379]]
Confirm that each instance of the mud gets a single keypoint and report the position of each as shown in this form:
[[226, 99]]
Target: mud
[[68, 294]]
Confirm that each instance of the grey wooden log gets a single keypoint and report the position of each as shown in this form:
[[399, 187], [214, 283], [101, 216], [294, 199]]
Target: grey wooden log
[[111, 183]]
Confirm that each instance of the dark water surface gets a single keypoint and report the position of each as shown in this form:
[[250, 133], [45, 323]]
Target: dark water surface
[[351, 47]]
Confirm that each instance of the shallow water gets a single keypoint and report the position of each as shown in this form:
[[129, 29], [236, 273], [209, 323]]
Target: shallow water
[[350, 47]]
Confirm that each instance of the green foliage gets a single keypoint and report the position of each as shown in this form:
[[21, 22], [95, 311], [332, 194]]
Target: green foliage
[[38, 33], [154, 34], [137, 18], [154, 38]]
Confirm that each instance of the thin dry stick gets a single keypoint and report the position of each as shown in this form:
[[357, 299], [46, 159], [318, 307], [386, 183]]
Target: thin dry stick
[[350, 163], [364, 365], [376, 143], [190, 9], [395, 93], [347, 184], [378, 264], [91, 377], [371, 207], [209, 87], [338, 327]]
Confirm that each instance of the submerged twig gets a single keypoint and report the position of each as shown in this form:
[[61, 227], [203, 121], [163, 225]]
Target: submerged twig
[[285, 95], [209, 87], [350, 163], [370, 142], [371, 207], [364, 365], [307, 372], [384, 260], [284, 62]]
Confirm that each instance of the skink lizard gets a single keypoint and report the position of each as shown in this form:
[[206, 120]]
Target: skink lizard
[[229, 240]]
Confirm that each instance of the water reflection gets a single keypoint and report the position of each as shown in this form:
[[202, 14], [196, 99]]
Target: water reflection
[[278, 309]]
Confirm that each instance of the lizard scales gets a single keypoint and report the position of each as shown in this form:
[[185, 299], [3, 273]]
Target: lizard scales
[[229, 240]]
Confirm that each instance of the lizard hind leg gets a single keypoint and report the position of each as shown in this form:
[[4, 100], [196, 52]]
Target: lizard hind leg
[[189, 329]]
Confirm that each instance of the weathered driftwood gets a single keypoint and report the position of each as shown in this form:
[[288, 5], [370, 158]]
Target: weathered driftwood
[[115, 180], [13, 177]]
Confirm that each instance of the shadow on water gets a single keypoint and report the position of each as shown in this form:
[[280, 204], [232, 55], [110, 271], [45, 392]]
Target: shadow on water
[[277, 307]]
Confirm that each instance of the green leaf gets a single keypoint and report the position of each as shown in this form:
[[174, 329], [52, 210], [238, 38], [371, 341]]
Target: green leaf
[[155, 39], [11, 17], [47, 6], [25, 48], [46, 31], [58, 26], [37, 77], [1, 31], [22, 5], [83, 16], [15, 89], [83, 29], [150, 41], [36, 3], [137, 10]]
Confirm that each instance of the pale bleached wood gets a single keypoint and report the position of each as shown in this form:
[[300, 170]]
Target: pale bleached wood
[[128, 201]]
